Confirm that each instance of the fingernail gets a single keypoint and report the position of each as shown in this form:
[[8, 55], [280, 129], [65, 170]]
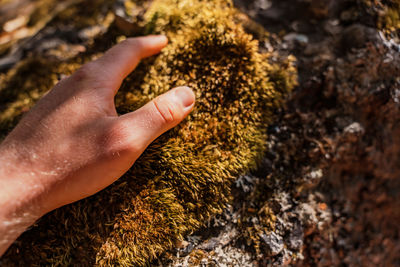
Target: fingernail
[[185, 95], [160, 38]]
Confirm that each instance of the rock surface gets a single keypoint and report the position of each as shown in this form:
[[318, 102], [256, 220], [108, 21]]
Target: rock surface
[[331, 177]]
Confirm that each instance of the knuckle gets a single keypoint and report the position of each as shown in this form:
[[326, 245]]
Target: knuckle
[[119, 139], [84, 73], [130, 41], [135, 42]]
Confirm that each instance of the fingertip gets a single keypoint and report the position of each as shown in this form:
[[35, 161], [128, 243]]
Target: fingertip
[[157, 41], [150, 45], [185, 96], [161, 39], [122, 59]]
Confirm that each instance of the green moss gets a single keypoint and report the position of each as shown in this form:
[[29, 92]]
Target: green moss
[[184, 177]]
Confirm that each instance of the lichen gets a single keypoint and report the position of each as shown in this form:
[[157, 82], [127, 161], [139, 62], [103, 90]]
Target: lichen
[[184, 177]]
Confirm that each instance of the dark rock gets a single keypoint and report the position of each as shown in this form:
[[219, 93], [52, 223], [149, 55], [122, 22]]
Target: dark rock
[[357, 36]]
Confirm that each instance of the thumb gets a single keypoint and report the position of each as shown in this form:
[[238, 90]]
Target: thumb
[[159, 115]]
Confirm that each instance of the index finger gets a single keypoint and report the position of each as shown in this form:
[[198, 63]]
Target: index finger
[[119, 61]]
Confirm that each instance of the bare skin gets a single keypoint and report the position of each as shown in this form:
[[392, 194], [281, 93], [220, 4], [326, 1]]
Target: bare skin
[[73, 144]]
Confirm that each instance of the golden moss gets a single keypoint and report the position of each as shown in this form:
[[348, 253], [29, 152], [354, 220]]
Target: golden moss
[[18, 95], [184, 177], [391, 18], [387, 13]]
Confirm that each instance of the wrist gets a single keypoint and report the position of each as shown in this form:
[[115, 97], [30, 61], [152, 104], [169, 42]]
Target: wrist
[[20, 193], [19, 197]]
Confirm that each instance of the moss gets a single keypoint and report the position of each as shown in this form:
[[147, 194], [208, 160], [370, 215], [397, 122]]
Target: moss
[[387, 14], [390, 20], [81, 16], [18, 95], [184, 177]]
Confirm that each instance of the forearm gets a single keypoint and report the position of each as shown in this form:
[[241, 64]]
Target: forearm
[[19, 197]]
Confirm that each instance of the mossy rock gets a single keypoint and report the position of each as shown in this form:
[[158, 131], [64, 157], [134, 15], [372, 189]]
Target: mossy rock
[[184, 177]]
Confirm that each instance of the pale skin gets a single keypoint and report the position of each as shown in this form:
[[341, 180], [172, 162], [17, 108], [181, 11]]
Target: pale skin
[[73, 144]]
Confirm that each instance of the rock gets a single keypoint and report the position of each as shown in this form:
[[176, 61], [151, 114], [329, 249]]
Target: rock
[[296, 236], [262, 4], [354, 128], [295, 37], [357, 36], [182, 244], [222, 240], [273, 243]]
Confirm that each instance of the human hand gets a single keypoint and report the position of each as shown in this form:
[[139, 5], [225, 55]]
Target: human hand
[[72, 143]]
